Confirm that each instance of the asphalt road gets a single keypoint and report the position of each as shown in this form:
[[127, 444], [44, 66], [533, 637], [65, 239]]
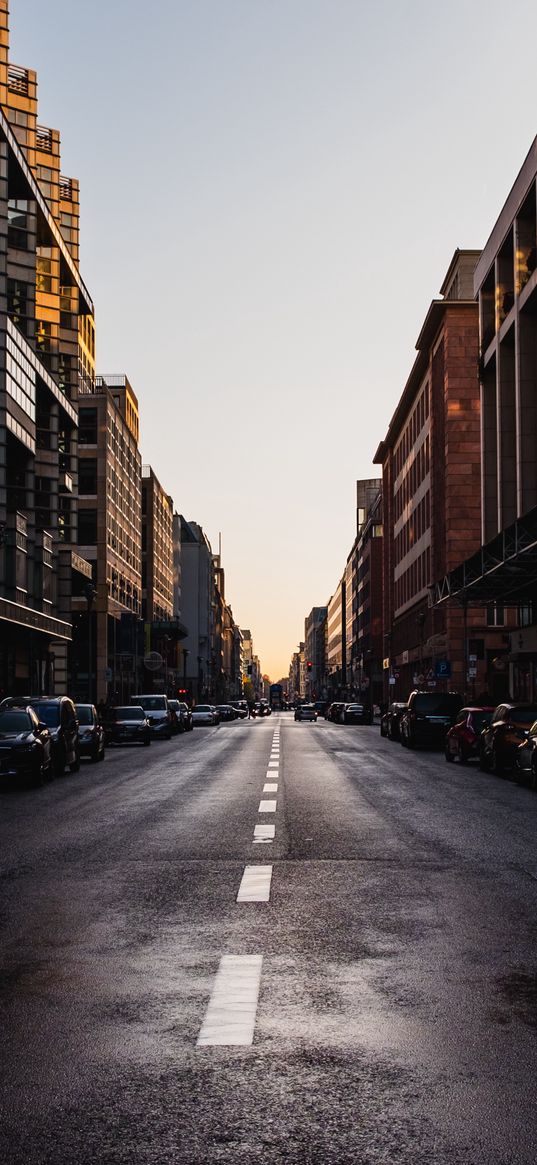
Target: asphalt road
[[379, 1006]]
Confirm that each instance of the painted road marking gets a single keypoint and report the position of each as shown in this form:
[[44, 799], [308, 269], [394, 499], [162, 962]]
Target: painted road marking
[[255, 884], [270, 787], [273, 764], [232, 1008], [264, 833], [267, 807]]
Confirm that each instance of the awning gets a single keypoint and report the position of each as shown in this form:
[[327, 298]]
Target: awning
[[502, 571]]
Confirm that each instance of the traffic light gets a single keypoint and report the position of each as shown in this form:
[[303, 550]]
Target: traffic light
[[309, 665]]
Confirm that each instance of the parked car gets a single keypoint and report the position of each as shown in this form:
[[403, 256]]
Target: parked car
[[90, 732], [157, 712], [462, 739], [498, 744], [357, 714], [335, 712], [320, 707], [176, 718], [127, 725], [390, 719], [241, 708], [204, 714], [427, 718], [226, 712], [306, 712], [25, 746], [59, 715], [186, 716], [526, 759]]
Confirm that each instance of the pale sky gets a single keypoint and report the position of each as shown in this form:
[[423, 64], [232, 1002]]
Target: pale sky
[[272, 191]]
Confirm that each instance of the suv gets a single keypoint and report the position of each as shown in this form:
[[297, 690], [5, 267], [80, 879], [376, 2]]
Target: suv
[[509, 726], [157, 712], [59, 715], [427, 718]]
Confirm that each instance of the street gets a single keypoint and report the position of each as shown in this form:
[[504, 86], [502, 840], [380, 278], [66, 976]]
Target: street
[[379, 1006]]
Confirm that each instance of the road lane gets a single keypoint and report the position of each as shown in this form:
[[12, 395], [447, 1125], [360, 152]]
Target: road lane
[[396, 1010]]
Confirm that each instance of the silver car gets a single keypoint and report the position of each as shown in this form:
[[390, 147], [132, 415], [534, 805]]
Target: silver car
[[204, 714]]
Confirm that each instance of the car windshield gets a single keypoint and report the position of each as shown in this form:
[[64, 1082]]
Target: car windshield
[[152, 703], [84, 713], [48, 713], [15, 722], [524, 715], [183, 707], [437, 703], [128, 714], [174, 704], [479, 720], [203, 708]]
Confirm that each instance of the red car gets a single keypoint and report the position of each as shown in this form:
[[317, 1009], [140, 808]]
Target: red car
[[462, 739]]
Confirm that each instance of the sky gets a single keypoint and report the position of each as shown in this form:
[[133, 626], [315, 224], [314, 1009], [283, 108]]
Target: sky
[[271, 194]]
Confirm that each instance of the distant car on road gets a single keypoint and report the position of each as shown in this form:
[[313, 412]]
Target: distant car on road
[[186, 716], [335, 712], [157, 712], [357, 714], [204, 714], [127, 725], [226, 712], [462, 739], [90, 732], [389, 721], [306, 712], [241, 708]]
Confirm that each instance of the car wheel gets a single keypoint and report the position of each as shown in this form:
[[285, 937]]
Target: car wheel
[[497, 765], [484, 762], [533, 774], [59, 763], [448, 754]]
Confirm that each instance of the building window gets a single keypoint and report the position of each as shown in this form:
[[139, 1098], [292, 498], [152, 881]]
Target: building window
[[87, 426], [495, 615], [87, 475], [87, 527], [17, 224]]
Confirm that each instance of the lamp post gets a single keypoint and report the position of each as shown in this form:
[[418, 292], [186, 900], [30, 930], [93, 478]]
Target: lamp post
[[89, 595]]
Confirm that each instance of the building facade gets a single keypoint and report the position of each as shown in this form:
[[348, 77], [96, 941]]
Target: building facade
[[430, 461], [314, 639], [336, 647], [46, 363]]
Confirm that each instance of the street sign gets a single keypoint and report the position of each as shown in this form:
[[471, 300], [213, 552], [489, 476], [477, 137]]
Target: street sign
[[442, 669], [385, 664], [391, 680], [472, 672], [472, 659]]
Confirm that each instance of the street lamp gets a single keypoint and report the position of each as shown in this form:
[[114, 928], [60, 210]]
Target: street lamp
[[89, 595]]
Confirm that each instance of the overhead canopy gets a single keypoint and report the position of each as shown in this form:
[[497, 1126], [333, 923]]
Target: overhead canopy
[[503, 571]]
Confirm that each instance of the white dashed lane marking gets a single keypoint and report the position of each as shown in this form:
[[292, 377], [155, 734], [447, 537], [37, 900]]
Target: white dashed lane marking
[[264, 833], [267, 807], [230, 1016], [270, 787], [255, 884]]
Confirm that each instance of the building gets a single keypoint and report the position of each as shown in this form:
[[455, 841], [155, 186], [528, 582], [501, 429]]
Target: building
[[336, 648], [363, 591], [501, 576], [163, 631], [431, 472], [196, 609], [110, 538], [314, 638], [46, 363]]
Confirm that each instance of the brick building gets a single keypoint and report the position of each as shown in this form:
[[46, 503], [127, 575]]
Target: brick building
[[431, 473]]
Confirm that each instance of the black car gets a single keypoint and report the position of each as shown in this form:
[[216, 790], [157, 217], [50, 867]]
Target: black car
[[427, 718], [357, 714], [335, 713], [25, 746], [59, 715], [186, 716], [90, 732], [226, 713], [389, 721], [241, 708], [127, 725], [178, 725]]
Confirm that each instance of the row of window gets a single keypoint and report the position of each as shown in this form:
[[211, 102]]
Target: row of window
[[413, 529], [416, 473], [414, 580], [413, 427]]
